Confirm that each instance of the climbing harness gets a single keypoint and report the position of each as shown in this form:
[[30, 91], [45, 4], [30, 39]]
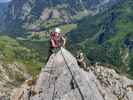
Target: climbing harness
[[72, 76]]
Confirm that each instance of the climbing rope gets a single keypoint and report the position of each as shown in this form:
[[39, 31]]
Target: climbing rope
[[72, 75]]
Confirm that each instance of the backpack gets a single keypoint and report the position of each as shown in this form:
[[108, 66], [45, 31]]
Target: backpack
[[54, 40]]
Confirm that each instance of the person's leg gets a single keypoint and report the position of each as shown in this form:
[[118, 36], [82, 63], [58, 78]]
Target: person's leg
[[79, 63], [50, 52], [84, 64]]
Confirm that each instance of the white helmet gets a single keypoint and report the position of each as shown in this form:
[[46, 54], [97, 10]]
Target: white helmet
[[58, 30]]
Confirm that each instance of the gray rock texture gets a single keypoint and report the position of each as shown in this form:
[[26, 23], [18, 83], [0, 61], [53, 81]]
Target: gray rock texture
[[61, 84], [63, 79], [11, 75]]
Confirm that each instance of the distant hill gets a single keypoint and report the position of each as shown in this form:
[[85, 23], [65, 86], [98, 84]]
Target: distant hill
[[108, 37], [3, 7], [33, 14]]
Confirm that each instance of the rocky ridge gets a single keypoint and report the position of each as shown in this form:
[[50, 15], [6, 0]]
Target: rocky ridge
[[63, 79], [10, 74]]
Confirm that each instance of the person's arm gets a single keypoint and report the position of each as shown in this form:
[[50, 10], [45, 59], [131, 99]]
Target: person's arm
[[80, 60], [64, 41], [53, 43]]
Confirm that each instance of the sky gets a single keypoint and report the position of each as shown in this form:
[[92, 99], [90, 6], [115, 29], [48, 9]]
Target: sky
[[4, 1]]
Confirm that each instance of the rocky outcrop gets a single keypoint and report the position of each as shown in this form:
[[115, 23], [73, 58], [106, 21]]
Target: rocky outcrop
[[11, 75], [116, 87], [63, 79]]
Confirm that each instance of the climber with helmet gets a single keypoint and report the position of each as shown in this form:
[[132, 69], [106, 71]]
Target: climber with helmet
[[81, 60], [57, 40]]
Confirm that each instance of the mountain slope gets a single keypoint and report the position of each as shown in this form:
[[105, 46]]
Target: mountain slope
[[3, 6], [17, 63], [30, 14], [63, 79], [107, 37]]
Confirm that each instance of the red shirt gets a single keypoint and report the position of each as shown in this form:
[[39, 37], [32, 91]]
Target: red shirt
[[54, 40]]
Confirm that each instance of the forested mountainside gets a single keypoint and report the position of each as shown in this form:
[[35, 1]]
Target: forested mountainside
[[108, 37], [102, 29], [32, 14], [107, 28]]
